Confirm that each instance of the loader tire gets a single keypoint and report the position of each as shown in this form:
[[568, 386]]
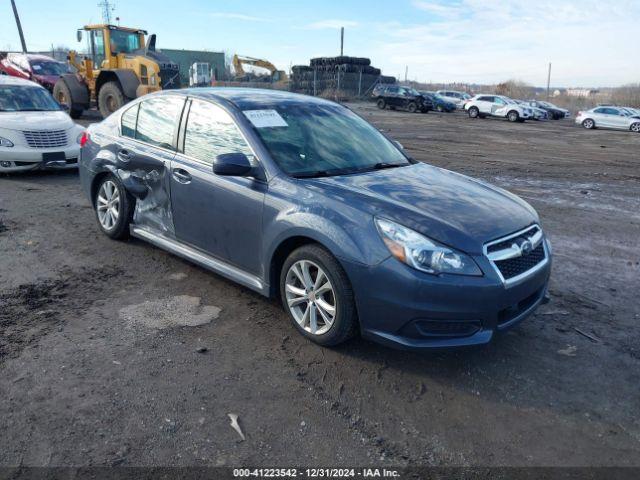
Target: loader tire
[[110, 98]]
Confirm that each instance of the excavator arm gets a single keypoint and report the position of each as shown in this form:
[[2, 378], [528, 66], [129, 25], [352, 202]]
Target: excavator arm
[[239, 60]]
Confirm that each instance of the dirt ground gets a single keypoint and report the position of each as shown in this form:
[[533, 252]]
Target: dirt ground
[[101, 342]]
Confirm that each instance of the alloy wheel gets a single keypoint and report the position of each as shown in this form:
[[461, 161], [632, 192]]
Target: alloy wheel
[[108, 205], [635, 127], [588, 123], [310, 297]]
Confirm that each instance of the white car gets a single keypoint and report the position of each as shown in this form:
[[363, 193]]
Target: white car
[[35, 132], [497, 106], [459, 98], [607, 117]]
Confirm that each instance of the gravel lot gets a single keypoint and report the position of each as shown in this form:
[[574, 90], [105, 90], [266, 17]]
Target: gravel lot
[[101, 342]]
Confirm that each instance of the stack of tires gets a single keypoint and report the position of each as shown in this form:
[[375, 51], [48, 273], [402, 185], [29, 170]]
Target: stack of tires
[[346, 76]]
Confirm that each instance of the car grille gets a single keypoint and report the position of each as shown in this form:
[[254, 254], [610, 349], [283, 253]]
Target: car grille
[[46, 138], [516, 266], [518, 254]]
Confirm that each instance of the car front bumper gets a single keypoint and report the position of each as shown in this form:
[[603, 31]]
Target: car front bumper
[[407, 309], [20, 159]]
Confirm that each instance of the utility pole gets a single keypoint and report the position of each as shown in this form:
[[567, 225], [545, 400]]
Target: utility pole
[[15, 14], [406, 73], [341, 41], [548, 81]]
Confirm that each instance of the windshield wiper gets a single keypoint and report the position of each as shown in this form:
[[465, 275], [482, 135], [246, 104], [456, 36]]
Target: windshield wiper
[[316, 174], [383, 165]]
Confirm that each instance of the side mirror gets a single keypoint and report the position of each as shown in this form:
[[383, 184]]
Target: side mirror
[[79, 35], [398, 144], [232, 165]]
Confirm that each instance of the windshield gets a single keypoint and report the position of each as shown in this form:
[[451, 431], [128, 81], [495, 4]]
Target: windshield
[[26, 99], [124, 42], [49, 68], [317, 140]]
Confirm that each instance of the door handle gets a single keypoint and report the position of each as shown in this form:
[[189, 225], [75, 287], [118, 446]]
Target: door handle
[[181, 175], [125, 155]]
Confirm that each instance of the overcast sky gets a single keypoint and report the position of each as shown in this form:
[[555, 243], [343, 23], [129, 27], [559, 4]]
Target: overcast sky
[[589, 42]]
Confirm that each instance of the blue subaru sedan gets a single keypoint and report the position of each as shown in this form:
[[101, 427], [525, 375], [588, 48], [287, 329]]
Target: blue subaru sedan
[[301, 199]]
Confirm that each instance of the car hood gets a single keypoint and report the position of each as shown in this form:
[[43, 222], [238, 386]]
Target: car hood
[[453, 209], [55, 120]]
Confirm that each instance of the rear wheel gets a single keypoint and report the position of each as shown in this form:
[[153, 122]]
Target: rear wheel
[[62, 94], [474, 112], [412, 107], [381, 103], [513, 116], [317, 294], [588, 124], [110, 98], [114, 207], [635, 127]]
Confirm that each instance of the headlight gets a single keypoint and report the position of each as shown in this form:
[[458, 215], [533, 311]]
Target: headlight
[[5, 142], [422, 253]]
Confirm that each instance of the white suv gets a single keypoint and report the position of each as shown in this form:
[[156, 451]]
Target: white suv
[[497, 106]]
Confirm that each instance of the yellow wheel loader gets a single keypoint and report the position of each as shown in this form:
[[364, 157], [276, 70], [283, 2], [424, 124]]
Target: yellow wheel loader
[[118, 67]]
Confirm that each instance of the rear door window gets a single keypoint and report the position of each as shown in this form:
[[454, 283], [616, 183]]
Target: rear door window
[[157, 120], [211, 132]]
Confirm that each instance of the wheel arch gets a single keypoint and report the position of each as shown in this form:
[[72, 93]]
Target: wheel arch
[[127, 80]]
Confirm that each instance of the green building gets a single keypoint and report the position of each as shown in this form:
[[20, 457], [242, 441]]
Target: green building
[[186, 58]]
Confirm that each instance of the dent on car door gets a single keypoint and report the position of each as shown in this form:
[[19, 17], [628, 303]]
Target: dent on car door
[[221, 215], [144, 159]]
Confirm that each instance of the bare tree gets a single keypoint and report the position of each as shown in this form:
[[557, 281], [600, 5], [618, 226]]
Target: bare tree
[[515, 89]]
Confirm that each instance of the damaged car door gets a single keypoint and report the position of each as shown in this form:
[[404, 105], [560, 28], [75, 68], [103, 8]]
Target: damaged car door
[[149, 129], [218, 214]]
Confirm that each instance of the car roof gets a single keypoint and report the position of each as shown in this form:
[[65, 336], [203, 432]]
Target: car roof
[[247, 98], [10, 80]]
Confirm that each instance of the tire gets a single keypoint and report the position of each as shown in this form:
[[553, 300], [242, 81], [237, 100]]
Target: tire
[[474, 112], [635, 127], [302, 303], [381, 103], [412, 107], [62, 94], [588, 123], [110, 98], [103, 202], [513, 116]]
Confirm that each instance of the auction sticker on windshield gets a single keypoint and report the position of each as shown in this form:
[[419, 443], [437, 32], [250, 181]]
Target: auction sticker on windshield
[[265, 118]]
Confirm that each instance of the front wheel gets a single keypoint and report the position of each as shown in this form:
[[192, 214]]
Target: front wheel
[[114, 207], [474, 112], [412, 107], [381, 103], [318, 297], [588, 124], [513, 116], [110, 98], [635, 127]]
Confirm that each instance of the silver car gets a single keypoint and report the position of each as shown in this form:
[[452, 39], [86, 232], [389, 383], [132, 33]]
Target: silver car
[[608, 117]]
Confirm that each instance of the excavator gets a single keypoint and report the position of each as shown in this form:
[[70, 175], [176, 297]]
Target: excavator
[[118, 67], [241, 75]]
